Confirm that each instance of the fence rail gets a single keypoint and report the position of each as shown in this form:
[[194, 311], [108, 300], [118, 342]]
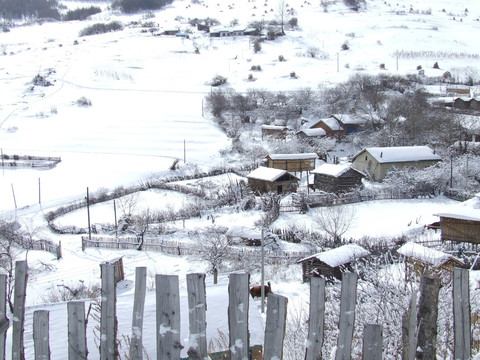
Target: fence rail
[[167, 328]]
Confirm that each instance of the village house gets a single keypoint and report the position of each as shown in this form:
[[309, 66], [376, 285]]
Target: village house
[[274, 132], [331, 126], [462, 223], [265, 179], [332, 263], [292, 162], [377, 161], [350, 123], [421, 260], [310, 134], [336, 178]]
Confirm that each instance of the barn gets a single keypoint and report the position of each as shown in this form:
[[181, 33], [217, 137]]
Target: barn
[[420, 260], [264, 179], [376, 161], [292, 162], [336, 178], [462, 223], [332, 263]]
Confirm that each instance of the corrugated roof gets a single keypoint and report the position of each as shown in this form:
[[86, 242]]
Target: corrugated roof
[[401, 154]]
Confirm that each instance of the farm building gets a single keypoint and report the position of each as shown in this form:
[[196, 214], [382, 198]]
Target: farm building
[[264, 179], [350, 123], [462, 223], [307, 134], [421, 260], [378, 160], [336, 178], [332, 263], [292, 162], [331, 126], [275, 132]]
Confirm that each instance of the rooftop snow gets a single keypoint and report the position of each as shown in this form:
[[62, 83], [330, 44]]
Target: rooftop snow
[[266, 173], [341, 255], [467, 210], [348, 119], [292, 156], [424, 254], [314, 132], [332, 169], [332, 124], [402, 154]]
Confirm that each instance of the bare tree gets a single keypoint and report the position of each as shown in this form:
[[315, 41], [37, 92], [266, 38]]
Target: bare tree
[[335, 220], [141, 223], [10, 232], [282, 14], [214, 248], [127, 204]]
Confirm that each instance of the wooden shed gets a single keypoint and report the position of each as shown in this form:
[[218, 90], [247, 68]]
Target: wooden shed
[[462, 223], [421, 260], [264, 179], [331, 126], [274, 132], [332, 263], [336, 178], [376, 161], [292, 162]]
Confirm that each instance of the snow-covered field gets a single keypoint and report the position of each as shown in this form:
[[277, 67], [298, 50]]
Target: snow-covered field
[[147, 110]]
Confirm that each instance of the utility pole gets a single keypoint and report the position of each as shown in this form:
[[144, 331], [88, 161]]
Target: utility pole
[[184, 151], [115, 213], [262, 288], [39, 193], [88, 214]]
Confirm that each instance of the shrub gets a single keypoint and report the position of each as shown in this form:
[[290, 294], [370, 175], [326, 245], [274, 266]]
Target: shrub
[[256, 68], [345, 46], [293, 22], [83, 101], [293, 75], [81, 13], [250, 77], [382, 66], [101, 28], [419, 67], [281, 58], [435, 66], [218, 80], [256, 46]]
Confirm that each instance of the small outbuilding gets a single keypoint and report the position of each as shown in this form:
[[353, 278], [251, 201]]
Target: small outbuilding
[[264, 179], [332, 263], [336, 178], [376, 161], [274, 132], [421, 260], [462, 223], [292, 162]]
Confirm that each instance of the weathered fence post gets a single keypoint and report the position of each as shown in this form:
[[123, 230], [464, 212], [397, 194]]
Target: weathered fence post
[[409, 330], [59, 250], [108, 320], [4, 323], [197, 306], [238, 315], [18, 351], [168, 317], [427, 317], [136, 343], [77, 331], [316, 319], [347, 316], [461, 315], [372, 342], [41, 335], [275, 326]]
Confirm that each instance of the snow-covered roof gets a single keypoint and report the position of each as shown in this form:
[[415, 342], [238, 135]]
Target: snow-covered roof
[[340, 256], [349, 119], [273, 127], [313, 132], [467, 210], [304, 156], [267, 174], [335, 170], [424, 254], [401, 154], [333, 124], [244, 232]]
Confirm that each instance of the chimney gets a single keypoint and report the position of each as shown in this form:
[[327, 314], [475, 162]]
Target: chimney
[[381, 154]]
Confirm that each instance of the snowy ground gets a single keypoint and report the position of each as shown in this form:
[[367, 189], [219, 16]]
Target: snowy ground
[[147, 110]]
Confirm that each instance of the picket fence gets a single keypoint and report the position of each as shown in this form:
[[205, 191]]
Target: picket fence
[[168, 342], [184, 248]]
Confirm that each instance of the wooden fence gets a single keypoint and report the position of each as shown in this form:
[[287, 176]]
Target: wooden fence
[[419, 328], [185, 248]]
